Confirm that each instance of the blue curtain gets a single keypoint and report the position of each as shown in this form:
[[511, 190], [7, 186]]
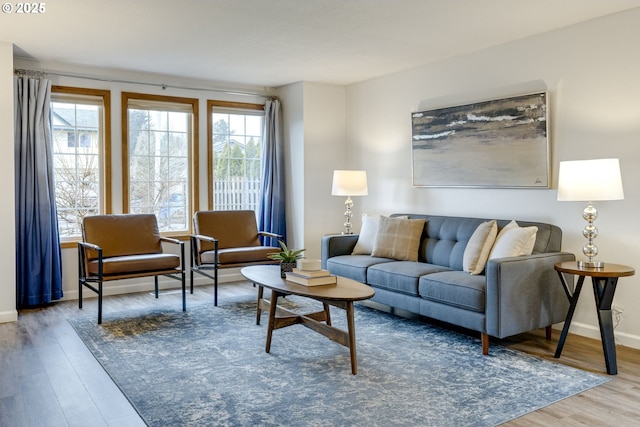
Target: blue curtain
[[38, 256], [271, 216]]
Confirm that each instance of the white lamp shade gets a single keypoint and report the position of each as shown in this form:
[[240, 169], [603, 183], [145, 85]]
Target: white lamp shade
[[349, 183], [590, 180]]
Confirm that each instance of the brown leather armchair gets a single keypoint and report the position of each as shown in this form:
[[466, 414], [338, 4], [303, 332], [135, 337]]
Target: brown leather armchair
[[116, 247], [227, 239]]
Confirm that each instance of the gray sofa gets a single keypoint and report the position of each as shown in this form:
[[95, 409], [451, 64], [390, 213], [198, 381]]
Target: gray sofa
[[513, 295]]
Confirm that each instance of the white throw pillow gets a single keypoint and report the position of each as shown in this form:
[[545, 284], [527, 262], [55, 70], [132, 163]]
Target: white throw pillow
[[479, 247], [367, 236], [514, 240], [398, 238]]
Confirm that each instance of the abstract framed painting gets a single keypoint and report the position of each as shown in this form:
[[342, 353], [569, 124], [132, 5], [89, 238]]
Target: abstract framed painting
[[501, 143]]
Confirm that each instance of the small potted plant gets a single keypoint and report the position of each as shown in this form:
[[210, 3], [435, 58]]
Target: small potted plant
[[287, 258]]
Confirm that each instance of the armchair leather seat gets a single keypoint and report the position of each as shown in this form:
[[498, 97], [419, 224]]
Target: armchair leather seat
[[239, 255], [134, 264]]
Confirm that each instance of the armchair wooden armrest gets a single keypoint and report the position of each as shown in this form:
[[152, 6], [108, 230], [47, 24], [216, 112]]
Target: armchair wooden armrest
[[195, 253], [170, 240], [203, 237], [268, 234], [90, 246]]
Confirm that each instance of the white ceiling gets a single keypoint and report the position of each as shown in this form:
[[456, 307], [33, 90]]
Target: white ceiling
[[270, 43]]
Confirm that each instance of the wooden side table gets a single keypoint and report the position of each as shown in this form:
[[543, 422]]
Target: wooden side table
[[604, 282]]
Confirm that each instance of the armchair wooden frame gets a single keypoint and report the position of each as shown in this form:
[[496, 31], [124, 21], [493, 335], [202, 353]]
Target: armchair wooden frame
[[90, 252]]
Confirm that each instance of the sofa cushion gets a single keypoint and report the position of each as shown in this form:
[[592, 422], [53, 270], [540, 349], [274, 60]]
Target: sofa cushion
[[479, 247], [353, 266], [445, 240], [400, 276], [454, 288], [514, 240], [398, 238]]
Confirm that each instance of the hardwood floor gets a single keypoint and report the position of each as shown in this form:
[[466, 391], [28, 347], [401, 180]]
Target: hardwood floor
[[49, 378]]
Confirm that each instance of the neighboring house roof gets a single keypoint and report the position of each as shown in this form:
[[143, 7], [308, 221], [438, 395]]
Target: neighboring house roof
[[70, 117]]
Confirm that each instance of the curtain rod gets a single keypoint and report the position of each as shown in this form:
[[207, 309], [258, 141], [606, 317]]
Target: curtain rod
[[164, 86]]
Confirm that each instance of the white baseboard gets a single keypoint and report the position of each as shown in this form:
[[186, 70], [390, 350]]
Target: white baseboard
[[132, 286], [589, 331], [8, 316]]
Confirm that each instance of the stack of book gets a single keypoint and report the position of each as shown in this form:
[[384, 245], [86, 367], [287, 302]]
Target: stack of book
[[311, 277]]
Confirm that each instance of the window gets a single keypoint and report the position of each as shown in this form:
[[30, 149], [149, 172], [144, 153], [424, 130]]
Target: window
[[81, 137], [159, 134], [235, 150]]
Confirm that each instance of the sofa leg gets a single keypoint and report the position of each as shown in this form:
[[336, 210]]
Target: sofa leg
[[485, 344], [548, 332]]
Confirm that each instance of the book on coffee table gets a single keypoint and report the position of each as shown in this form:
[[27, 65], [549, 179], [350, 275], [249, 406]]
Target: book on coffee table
[[311, 281], [311, 273]]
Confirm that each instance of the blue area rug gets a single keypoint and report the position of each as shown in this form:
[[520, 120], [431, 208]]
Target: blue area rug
[[208, 367]]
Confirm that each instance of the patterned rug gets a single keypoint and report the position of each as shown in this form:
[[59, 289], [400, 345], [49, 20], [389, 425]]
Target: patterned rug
[[207, 367]]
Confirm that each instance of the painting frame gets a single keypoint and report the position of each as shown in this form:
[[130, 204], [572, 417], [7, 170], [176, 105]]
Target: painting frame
[[499, 143]]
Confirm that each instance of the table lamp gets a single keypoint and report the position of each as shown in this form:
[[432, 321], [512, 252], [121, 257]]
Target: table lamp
[[349, 183], [589, 181]]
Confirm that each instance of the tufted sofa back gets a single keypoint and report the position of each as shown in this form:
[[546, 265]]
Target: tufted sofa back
[[445, 238]]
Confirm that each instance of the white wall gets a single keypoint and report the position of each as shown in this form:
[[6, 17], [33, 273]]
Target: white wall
[[8, 311], [324, 145], [592, 76], [315, 130], [292, 99]]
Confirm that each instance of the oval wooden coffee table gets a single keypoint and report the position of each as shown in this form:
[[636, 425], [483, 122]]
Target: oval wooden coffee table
[[341, 294]]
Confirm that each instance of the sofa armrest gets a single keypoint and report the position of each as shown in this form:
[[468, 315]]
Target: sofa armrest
[[525, 293], [338, 244]]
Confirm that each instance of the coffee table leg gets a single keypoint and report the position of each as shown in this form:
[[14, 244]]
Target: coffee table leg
[[259, 313], [327, 313], [352, 337], [272, 318]]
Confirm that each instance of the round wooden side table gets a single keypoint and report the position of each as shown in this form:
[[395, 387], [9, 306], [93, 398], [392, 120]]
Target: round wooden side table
[[604, 281]]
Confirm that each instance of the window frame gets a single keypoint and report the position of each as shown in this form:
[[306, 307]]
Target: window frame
[[227, 105], [104, 149], [193, 157]]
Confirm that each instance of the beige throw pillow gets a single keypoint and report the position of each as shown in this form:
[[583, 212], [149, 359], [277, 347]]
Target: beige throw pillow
[[398, 238], [368, 233], [514, 240], [479, 247]]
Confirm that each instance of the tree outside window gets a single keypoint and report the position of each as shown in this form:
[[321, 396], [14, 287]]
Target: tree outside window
[[79, 141], [236, 147], [158, 156]]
